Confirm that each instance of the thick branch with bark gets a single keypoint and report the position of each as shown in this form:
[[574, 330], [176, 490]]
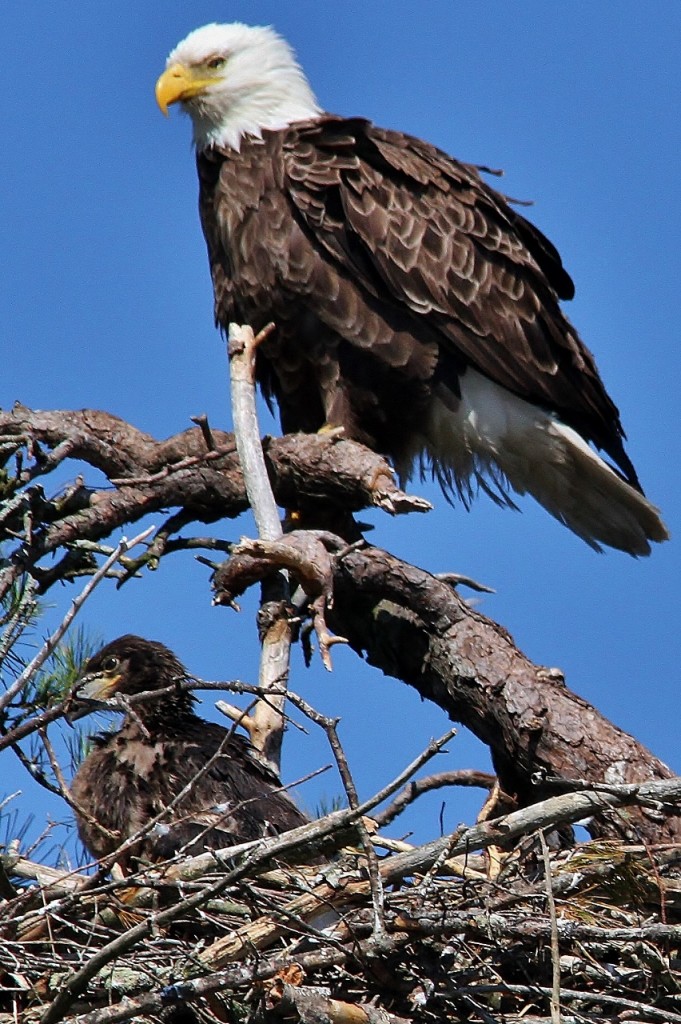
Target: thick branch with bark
[[418, 629], [415, 627], [196, 471]]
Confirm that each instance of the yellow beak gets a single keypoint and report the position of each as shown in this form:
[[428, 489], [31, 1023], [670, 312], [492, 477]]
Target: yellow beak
[[98, 687], [178, 83]]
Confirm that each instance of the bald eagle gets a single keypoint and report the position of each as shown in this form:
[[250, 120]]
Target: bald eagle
[[133, 775], [414, 308]]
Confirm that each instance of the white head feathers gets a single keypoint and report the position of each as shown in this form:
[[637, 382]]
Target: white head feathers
[[252, 82]]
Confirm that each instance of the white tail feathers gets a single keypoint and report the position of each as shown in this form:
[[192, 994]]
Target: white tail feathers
[[491, 437]]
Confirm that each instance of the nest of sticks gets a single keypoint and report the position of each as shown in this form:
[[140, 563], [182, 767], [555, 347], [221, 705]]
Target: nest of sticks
[[503, 921]]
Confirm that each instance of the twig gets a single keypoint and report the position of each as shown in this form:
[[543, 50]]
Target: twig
[[417, 787], [176, 467], [51, 714], [467, 866], [204, 426], [34, 769], [329, 725], [64, 790], [658, 879], [555, 946], [618, 1002], [457, 579], [266, 728], [19, 617], [443, 857]]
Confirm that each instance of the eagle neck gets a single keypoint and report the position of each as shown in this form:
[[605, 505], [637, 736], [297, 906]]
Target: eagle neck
[[169, 714], [251, 116]]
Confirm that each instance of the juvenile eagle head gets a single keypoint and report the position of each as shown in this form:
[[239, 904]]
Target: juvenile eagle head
[[130, 665]]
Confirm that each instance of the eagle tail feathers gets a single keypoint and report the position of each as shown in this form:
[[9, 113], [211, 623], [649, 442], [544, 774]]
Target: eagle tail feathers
[[484, 477], [593, 500], [494, 441]]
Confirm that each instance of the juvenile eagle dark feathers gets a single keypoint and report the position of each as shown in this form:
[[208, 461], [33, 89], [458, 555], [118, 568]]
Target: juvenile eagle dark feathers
[[134, 775]]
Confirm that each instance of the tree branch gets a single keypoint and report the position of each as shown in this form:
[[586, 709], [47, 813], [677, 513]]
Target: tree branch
[[414, 789], [414, 627], [265, 725]]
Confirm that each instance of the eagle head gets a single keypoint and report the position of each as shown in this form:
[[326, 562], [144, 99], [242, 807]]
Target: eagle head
[[235, 80], [128, 665]]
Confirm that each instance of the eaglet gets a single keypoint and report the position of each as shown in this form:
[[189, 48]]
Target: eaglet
[[131, 776]]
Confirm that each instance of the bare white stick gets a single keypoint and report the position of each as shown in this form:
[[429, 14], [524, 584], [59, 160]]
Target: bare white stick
[[265, 725], [242, 345], [555, 946]]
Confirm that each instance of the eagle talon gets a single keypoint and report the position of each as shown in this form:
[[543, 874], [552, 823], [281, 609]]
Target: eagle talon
[[332, 430]]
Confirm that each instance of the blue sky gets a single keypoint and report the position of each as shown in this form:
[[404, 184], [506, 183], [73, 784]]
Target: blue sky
[[106, 302]]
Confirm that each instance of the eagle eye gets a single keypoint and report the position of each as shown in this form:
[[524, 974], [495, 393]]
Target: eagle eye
[[215, 63], [110, 664]]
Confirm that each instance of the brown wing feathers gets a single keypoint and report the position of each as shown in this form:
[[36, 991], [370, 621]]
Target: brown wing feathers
[[422, 227]]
